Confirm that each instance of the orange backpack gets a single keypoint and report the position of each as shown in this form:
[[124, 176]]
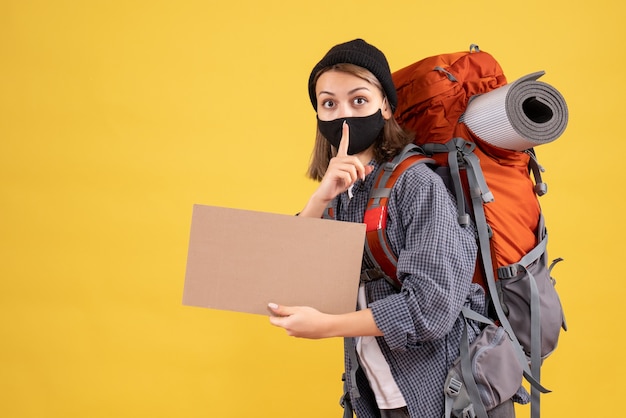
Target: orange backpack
[[493, 189]]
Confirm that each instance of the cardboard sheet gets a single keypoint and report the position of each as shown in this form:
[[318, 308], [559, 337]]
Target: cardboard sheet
[[240, 260]]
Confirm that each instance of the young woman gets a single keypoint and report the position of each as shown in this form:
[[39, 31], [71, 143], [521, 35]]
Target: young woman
[[405, 340]]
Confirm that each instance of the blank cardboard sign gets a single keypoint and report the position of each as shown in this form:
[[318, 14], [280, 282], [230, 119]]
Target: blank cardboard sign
[[240, 260]]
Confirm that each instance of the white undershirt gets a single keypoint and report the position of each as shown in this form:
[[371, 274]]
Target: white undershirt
[[388, 395]]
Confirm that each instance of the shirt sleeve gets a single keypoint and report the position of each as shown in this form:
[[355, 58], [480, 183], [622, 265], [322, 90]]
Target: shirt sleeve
[[436, 261]]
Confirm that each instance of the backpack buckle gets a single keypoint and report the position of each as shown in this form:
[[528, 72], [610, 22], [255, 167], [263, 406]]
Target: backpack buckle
[[469, 412], [454, 387], [508, 272]]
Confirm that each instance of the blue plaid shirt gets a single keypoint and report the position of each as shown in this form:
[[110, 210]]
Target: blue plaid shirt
[[436, 259]]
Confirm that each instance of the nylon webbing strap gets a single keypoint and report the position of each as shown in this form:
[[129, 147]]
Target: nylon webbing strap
[[345, 401], [460, 150], [455, 386], [513, 270], [475, 316], [388, 170], [535, 344], [485, 250], [466, 365], [470, 383], [380, 192], [540, 187], [479, 179], [455, 173], [354, 366], [449, 401]]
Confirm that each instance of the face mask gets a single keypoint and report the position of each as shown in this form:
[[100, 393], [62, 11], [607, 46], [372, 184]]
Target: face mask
[[363, 131]]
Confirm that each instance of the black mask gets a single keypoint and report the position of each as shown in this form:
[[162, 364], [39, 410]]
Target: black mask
[[363, 131]]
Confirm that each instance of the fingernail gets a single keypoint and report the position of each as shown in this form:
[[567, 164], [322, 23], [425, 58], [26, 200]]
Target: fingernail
[[272, 305]]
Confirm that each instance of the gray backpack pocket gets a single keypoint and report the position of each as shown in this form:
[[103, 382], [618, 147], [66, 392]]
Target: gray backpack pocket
[[531, 303], [485, 374]]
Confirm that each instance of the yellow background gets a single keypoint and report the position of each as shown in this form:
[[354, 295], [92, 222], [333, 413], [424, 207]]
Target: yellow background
[[117, 116]]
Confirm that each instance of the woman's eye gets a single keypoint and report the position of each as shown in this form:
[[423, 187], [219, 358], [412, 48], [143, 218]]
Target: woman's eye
[[360, 101], [328, 104]]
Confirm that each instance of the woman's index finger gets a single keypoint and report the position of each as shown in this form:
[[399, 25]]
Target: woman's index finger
[[342, 151]]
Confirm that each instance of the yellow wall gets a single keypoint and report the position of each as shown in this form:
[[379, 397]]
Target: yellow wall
[[117, 116]]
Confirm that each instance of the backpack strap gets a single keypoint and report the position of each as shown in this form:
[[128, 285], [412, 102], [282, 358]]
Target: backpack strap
[[484, 233], [328, 212], [535, 318], [453, 386], [461, 153], [377, 248], [523, 266], [541, 188], [350, 393]]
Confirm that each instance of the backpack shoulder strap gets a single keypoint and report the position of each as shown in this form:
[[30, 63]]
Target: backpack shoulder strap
[[377, 248]]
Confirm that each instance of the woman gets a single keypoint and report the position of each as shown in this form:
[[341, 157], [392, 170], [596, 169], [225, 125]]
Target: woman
[[406, 340]]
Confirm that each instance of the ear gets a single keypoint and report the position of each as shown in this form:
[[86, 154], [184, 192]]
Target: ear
[[386, 109]]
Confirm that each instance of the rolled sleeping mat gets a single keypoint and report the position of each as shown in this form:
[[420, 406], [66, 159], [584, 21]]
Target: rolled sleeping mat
[[519, 115]]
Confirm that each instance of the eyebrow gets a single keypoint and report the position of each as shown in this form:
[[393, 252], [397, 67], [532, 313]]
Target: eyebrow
[[349, 93]]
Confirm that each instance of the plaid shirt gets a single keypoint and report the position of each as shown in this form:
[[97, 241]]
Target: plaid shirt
[[436, 260]]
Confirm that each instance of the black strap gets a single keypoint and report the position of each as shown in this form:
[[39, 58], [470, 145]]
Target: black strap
[[350, 393], [345, 401]]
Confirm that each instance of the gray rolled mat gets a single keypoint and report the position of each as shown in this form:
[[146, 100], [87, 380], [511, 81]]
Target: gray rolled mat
[[519, 115]]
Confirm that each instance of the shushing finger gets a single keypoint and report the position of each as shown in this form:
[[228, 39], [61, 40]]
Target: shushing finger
[[345, 140]]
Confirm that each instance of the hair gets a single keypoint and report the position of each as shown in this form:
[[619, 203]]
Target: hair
[[391, 141]]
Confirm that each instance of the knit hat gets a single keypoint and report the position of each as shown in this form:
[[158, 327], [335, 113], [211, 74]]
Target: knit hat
[[357, 52]]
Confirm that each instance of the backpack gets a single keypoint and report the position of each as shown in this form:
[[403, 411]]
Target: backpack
[[494, 190]]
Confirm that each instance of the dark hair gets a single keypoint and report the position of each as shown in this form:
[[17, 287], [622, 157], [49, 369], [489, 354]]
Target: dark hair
[[392, 140]]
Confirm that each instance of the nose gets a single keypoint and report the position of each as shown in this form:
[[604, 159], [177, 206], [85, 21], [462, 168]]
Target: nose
[[345, 111]]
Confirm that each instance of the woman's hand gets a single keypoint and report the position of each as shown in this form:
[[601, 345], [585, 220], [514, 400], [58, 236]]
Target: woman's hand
[[300, 321], [343, 170], [307, 322]]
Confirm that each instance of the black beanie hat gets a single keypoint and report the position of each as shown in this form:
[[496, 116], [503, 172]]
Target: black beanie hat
[[357, 52]]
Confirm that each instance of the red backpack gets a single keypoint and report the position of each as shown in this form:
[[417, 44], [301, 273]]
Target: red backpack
[[493, 189]]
